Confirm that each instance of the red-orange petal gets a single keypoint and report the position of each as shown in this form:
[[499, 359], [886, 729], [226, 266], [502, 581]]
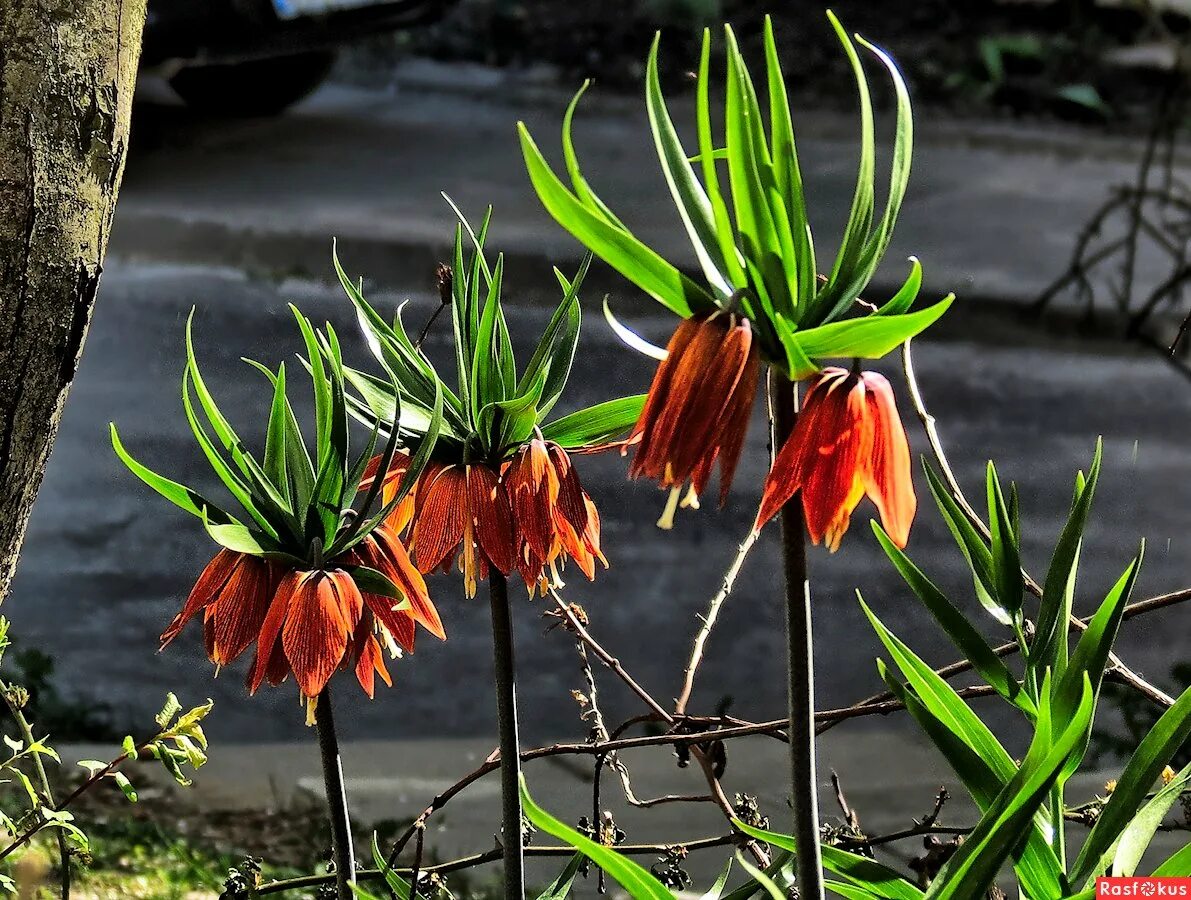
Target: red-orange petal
[[236, 617], [661, 394], [570, 492], [396, 564], [833, 484], [268, 645], [439, 526], [488, 504], [371, 662], [205, 591], [887, 479], [700, 431], [314, 634], [665, 439], [734, 428], [799, 454]]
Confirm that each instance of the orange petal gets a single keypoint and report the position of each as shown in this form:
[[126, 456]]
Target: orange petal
[[237, 616], [371, 662], [205, 591], [665, 442], [440, 521], [710, 407], [351, 604], [887, 479], [570, 491], [833, 481], [488, 505], [268, 647], [314, 634], [735, 423], [531, 486], [401, 571], [661, 394], [796, 455]]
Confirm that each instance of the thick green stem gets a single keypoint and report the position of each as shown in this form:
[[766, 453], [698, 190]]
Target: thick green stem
[[800, 663], [512, 841], [341, 833]]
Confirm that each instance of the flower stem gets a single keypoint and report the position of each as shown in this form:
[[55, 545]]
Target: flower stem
[[341, 833], [800, 663], [512, 841]]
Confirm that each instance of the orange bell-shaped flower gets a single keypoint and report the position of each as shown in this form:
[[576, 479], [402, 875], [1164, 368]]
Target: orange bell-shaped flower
[[848, 441], [697, 410]]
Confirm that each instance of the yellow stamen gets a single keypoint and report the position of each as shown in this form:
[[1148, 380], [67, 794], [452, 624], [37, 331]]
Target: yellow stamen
[[666, 522], [310, 704], [691, 500]]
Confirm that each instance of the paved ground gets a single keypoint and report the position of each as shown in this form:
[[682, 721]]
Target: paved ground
[[991, 211], [106, 564]]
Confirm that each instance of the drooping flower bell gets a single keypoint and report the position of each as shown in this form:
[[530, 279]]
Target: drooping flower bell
[[698, 407], [848, 441], [308, 622], [554, 517]]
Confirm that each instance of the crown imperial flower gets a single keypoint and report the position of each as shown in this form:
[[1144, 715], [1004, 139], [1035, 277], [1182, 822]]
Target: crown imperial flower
[[698, 407], [316, 581], [848, 441]]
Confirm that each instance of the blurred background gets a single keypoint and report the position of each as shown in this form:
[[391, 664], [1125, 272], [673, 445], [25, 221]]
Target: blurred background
[[1048, 193]]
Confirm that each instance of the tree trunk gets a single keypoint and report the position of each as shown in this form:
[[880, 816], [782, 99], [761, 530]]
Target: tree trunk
[[67, 73]]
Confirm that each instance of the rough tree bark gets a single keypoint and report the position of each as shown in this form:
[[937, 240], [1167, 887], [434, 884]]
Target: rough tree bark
[[67, 73]]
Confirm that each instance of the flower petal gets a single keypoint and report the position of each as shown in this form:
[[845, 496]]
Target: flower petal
[[488, 505], [314, 634], [205, 591], [237, 616], [887, 478], [661, 394], [394, 561], [803, 449], [833, 482], [268, 647], [440, 521]]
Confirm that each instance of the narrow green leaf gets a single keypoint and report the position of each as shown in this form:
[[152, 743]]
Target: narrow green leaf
[[1136, 838], [963, 634], [901, 302], [942, 700], [560, 887], [1058, 591], [627, 873], [857, 870], [788, 175], [970, 543], [615, 246], [975, 865], [868, 337], [178, 494], [1157, 748], [595, 424], [689, 196], [1006, 557]]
